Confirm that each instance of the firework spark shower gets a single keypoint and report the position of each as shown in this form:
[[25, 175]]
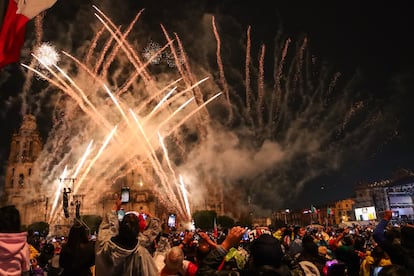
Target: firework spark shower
[[262, 126]]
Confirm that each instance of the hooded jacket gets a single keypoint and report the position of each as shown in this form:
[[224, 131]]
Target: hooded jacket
[[14, 254], [112, 259]]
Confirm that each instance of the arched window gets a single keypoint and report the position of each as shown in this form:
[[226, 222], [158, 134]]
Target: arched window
[[21, 179]]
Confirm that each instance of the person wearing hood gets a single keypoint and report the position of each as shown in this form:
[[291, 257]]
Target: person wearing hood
[[14, 249], [118, 251]]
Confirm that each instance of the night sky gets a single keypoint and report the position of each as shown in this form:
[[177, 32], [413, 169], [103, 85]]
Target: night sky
[[367, 42]]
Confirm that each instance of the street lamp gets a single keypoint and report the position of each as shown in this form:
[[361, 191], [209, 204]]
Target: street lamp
[[46, 203], [287, 211]]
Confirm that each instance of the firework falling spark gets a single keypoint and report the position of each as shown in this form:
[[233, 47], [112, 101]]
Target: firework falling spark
[[172, 61], [295, 128], [221, 68], [184, 192], [90, 105], [57, 192], [151, 52]]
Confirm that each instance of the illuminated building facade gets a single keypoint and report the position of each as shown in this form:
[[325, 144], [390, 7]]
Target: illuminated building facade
[[22, 186], [344, 210], [20, 179], [395, 195]]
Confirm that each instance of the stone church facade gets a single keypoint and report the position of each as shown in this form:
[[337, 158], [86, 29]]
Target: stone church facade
[[22, 186], [19, 186]]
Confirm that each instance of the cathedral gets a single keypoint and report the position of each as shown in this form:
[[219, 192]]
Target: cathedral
[[25, 147], [23, 188]]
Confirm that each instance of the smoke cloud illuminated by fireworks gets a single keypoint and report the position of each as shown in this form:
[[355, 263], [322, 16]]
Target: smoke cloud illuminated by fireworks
[[283, 119]]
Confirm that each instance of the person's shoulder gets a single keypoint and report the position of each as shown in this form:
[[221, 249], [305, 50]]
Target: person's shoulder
[[142, 250]]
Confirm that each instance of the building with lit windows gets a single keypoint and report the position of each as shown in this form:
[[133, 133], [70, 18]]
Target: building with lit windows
[[392, 194], [344, 210]]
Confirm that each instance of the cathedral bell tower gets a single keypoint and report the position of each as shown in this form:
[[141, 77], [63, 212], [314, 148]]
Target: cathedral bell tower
[[25, 147]]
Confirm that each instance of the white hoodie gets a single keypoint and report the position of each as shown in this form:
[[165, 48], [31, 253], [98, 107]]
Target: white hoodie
[[112, 260]]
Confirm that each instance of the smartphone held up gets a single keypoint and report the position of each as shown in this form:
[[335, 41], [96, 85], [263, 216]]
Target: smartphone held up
[[125, 194], [172, 220]]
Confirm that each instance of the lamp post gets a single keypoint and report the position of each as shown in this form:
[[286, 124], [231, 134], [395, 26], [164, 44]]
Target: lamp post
[[287, 211], [46, 203]]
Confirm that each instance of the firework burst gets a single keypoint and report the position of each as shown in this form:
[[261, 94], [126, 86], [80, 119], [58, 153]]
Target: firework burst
[[264, 143]]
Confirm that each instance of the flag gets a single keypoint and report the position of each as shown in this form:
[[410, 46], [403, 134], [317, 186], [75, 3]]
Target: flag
[[215, 233], [13, 28], [314, 210]]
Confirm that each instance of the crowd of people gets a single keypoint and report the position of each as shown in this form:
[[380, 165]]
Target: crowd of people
[[134, 245]]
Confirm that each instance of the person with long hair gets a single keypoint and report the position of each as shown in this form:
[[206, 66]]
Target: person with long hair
[[78, 254]]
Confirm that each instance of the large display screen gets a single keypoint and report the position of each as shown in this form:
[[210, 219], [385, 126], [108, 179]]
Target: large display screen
[[365, 213]]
